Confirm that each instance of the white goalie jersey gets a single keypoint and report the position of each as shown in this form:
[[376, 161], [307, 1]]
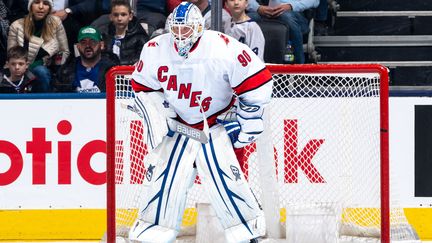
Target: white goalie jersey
[[217, 70]]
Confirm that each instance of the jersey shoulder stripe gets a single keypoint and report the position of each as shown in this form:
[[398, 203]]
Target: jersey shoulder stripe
[[254, 81]]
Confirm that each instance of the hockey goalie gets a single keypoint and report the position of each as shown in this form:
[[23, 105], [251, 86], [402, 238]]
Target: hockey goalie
[[200, 75]]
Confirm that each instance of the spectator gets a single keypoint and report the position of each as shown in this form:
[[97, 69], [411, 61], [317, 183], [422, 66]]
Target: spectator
[[80, 13], [86, 73], [289, 12], [243, 28], [124, 35], [150, 14], [320, 27], [4, 28], [43, 36], [16, 78]]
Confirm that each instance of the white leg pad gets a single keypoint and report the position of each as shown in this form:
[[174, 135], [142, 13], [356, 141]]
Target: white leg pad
[[239, 233], [150, 233], [229, 192], [169, 174]]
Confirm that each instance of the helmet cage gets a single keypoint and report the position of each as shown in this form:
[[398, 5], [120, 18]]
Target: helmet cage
[[186, 25]]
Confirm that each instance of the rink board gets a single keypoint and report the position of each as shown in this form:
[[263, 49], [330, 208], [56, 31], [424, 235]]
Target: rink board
[[55, 200]]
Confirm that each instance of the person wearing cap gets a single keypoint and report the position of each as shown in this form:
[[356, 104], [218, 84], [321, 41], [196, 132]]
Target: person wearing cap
[[43, 36], [86, 73]]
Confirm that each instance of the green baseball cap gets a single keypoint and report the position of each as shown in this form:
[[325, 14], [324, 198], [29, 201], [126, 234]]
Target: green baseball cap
[[89, 32]]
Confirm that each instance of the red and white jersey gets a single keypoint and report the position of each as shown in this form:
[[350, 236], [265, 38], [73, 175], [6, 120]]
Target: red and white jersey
[[249, 33], [217, 67]]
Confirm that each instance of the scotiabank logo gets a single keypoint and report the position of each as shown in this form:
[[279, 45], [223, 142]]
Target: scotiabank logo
[[295, 159], [38, 147]]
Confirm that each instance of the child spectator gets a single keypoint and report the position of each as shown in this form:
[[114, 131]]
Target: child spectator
[[43, 36], [16, 79], [124, 35], [243, 28], [290, 13], [86, 73]]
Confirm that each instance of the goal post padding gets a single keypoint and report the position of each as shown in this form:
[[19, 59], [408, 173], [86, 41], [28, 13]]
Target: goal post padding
[[325, 146]]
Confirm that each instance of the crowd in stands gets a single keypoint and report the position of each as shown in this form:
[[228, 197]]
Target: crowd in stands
[[68, 45]]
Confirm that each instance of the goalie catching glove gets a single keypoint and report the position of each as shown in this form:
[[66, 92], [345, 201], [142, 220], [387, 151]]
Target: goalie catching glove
[[247, 128]]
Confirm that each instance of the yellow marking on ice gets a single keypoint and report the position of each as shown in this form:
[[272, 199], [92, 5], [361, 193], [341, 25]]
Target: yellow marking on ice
[[128, 216], [190, 217], [368, 217], [282, 214]]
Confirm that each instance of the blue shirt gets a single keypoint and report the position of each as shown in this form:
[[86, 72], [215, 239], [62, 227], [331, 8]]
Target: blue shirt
[[297, 5], [86, 79]]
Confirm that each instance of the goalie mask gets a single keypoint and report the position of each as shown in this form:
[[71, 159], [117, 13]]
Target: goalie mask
[[186, 25]]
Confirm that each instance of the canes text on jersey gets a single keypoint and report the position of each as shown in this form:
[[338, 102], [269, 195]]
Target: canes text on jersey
[[184, 90]]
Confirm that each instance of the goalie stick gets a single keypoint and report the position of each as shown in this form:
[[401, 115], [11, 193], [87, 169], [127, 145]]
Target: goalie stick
[[188, 131]]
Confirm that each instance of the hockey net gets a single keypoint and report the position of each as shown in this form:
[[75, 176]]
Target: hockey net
[[321, 165]]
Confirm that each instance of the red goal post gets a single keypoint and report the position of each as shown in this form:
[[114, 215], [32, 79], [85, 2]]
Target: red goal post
[[340, 103]]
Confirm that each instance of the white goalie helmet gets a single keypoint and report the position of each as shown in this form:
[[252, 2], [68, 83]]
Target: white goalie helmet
[[186, 25]]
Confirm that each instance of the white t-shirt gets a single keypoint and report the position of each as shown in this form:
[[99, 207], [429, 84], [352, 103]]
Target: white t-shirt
[[249, 33], [226, 20]]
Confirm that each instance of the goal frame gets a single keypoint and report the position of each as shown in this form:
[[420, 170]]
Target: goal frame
[[280, 69]]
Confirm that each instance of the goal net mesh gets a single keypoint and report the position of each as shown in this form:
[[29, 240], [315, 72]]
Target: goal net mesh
[[321, 153]]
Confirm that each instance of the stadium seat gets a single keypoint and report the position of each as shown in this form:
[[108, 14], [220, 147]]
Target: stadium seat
[[276, 35]]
